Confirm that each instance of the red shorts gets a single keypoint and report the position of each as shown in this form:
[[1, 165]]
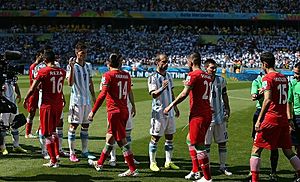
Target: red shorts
[[273, 136], [33, 102], [198, 128], [49, 118], [117, 124]]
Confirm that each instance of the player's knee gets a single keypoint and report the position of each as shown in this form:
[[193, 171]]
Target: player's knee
[[85, 125], [73, 127]]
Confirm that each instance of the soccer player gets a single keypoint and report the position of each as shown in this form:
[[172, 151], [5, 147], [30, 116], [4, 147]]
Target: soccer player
[[116, 85], [79, 75], [51, 80], [272, 125], [12, 93], [257, 96], [129, 127], [33, 100], [197, 86], [59, 128], [221, 112], [160, 86], [294, 107]]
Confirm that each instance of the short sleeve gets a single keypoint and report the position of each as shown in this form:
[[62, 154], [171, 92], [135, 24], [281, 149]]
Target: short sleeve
[[190, 80], [90, 69], [171, 81], [266, 83], [41, 75], [68, 71], [152, 83], [254, 87]]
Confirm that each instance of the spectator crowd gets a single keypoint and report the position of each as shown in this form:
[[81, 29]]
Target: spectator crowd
[[239, 6], [140, 43]]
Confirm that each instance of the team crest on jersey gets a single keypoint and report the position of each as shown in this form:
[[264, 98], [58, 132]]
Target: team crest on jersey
[[264, 84], [102, 80]]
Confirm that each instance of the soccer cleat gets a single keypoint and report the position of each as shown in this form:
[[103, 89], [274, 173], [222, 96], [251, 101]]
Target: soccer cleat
[[88, 155], [19, 150], [64, 154], [203, 180], [153, 167], [135, 162], [225, 171], [193, 176], [4, 151], [30, 136], [273, 177], [50, 164], [95, 165], [171, 165], [112, 163], [73, 158], [297, 180], [129, 173]]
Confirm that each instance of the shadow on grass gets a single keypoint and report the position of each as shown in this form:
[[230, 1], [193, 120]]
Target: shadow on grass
[[57, 178]]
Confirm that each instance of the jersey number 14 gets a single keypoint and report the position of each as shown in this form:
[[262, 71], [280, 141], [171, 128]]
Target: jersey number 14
[[122, 90]]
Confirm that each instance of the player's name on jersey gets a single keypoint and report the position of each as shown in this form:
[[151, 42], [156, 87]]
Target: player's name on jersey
[[280, 79], [121, 76], [56, 73]]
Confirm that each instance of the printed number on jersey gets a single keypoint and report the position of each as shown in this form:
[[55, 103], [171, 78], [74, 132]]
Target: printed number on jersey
[[282, 93], [56, 86], [207, 86], [122, 90]]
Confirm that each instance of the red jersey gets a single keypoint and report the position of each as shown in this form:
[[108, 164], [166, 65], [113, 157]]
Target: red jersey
[[116, 85], [52, 81], [277, 83], [200, 93], [31, 70]]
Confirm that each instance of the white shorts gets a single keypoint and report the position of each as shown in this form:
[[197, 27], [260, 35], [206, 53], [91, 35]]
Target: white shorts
[[162, 126], [78, 114], [218, 132]]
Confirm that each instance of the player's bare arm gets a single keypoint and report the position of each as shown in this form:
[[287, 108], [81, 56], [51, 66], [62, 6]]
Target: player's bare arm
[[177, 113], [92, 90], [131, 99], [98, 102], [290, 115], [264, 108], [30, 92], [71, 76], [183, 95], [156, 93]]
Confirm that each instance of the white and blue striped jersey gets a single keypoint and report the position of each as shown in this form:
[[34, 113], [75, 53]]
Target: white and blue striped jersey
[[155, 81], [9, 92], [216, 99], [80, 90]]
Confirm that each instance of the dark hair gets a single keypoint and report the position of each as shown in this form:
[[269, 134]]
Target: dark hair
[[49, 56], [209, 61], [196, 58], [268, 58], [80, 46], [115, 60], [297, 65]]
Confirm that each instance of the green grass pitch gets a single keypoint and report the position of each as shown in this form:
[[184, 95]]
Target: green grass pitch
[[28, 167]]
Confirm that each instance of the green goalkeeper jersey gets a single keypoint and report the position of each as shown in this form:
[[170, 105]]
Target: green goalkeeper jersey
[[257, 84], [294, 95]]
